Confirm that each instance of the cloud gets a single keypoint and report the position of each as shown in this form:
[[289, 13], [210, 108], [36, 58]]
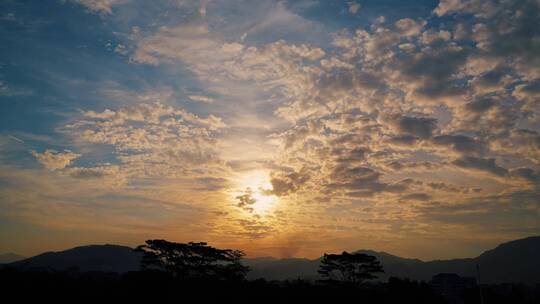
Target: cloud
[[246, 200], [299, 134], [527, 174], [359, 182], [460, 143], [54, 160], [286, 183], [421, 127], [9, 91], [492, 80], [190, 43], [480, 105], [505, 31], [254, 228], [201, 98], [232, 69], [434, 112], [202, 8], [51, 199], [509, 212], [441, 186], [101, 6], [413, 166], [431, 72], [480, 8], [416, 197], [529, 93], [211, 183], [403, 140], [522, 143], [104, 176], [152, 139], [409, 27], [354, 7], [480, 164]]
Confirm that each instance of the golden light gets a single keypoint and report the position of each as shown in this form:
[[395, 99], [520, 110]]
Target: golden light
[[257, 182]]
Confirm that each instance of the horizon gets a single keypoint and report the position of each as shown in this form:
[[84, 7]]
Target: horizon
[[284, 128], [282, 257]]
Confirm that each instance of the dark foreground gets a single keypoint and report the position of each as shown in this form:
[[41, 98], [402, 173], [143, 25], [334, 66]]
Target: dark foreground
[[159, 287]]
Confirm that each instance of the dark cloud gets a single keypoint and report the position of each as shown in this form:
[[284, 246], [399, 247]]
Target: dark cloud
[[441, 186], [460, 143], [480, 164], [403, 140], [480, 105], [528, 174], [339, 83], [421, 127], [246, 200], [300, 133], [433, 70], [416, 197], [87, 173], [521, 143], [492, 80], [286, 183], [350, 155], [529, 94], [360, 182], [410, 182], [529, 137], [512, 33], [530, 89], [401, 165]]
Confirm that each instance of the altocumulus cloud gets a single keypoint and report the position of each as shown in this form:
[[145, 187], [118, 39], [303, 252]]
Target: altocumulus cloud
[[389, 126]]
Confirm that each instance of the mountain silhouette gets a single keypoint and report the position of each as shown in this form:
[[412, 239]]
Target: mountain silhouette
[[104, 258], [10, 258], [514, 261]]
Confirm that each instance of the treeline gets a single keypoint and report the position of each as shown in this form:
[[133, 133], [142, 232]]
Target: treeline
[[199, 261], [160, 287], [150, 286], [196, 272]]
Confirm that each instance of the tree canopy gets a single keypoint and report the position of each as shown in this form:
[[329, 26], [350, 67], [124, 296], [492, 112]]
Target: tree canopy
[[349, 267], [192, 260]]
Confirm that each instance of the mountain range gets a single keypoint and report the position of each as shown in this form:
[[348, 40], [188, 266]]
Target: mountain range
[[514, 261], [10, 258], [104, 258]]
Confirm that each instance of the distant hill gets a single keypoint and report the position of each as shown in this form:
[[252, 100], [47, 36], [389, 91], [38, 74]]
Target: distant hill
[[106, 258], [10, 257], [515, 261]]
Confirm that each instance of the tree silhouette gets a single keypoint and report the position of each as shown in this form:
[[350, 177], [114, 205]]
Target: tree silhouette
[[192, 260], [347, 267]]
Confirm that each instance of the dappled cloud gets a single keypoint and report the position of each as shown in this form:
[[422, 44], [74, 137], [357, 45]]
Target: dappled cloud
[[397, 130]]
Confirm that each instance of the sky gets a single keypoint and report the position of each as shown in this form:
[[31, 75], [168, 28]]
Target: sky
[[282, 128]]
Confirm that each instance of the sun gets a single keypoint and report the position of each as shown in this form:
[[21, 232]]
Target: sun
[[257, 183]]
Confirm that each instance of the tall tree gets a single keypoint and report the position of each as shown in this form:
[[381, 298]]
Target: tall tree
[[349, 267], [193, 260]]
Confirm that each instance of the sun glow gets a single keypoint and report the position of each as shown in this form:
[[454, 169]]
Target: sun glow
[[257, 185]]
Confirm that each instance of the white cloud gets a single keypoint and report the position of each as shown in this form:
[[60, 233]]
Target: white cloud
[[101, 6], [201, 98], [55, 160], [409, 27], [151, 138]]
